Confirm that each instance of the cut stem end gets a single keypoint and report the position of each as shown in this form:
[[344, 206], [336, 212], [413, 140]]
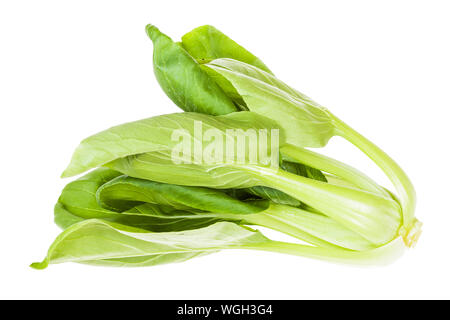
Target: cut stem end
[[411, 234]]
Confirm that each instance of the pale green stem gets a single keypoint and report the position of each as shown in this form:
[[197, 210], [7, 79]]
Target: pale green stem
[[398, 177], [275, 219], [332, 166], [307, 226], [281, 223], [378, 256], [374, 217]]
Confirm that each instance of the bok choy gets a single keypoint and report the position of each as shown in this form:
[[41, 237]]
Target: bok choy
[[154, 191]]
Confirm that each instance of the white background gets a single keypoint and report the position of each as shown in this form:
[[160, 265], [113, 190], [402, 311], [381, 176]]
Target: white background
[[69, 69]]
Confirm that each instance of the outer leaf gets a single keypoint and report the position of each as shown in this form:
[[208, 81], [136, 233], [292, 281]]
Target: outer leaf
[[227, 87], [153, 134], [256, 73], [65, 219], [93, 241], [308, 125], [183, 80], [206, 43], [150, 260]]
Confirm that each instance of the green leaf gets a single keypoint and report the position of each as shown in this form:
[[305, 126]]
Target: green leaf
[[227, 88], [154, 134], [159, 218], [303, 170], [274, 195], [149, 260], [107, 194], [78, 202], [105, 243], [78, 197], [306, 123], [206, 43], [124, 193], [63, 218], [183, 80]]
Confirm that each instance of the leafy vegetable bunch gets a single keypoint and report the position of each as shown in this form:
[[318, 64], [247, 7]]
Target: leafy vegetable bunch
[[138, 208]]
